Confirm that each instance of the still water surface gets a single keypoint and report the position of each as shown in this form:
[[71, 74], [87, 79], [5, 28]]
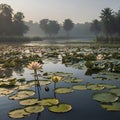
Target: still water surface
[[83, 106]]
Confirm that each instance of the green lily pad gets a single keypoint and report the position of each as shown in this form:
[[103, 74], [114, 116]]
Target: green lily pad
[[95, 86], [34, 109], [22, 94], [5, 91], [73, 80], [108, 86], [79, 87], [61, 108], [48, 101], [63, 90], [22, 87], [29, 101], [115, 91], [113, 107], [41, 82], [105, 97], [18, 113]]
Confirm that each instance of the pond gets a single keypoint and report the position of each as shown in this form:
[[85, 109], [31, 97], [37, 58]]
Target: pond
[[84, 86]]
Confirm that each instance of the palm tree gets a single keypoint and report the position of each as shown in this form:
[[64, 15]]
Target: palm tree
[[107, 19]]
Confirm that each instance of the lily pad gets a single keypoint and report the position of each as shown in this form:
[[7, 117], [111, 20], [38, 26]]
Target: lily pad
[[22, 87], [48, 101], [95, 86], [41, 82], [29, 101], [18, 113], [108, 86], [113, 107], [34, 109], [73, 80], [61, 108], [22, 94], [105, 97], [79, 87], [115, 91], [63, 90], [5, 91]]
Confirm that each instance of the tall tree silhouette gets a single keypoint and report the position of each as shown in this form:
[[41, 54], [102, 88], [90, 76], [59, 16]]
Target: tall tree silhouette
[[107, 19], [11, 24], [50, 27], [6, 13], [19, 27], [96, 27], [68, 26]]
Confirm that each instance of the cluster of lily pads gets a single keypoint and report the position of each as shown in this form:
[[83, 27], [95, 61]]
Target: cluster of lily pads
[[22, 90]]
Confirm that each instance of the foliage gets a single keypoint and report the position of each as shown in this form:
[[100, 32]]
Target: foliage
[[68, 25], [11, 25], [50, 27]]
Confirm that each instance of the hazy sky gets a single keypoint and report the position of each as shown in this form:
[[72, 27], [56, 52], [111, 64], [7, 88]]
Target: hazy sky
[[79, 11]]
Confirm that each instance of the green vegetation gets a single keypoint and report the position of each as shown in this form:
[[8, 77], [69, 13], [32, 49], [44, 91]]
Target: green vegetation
[[108, 27], [11, 24]]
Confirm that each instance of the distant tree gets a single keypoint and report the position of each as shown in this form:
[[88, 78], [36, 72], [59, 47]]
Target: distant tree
[[11, 24], [96, 27], [44, 25], [19, 27], [50, 27], [108, 21], [68, 25], [53, 27], [117, 18], [6, 13]]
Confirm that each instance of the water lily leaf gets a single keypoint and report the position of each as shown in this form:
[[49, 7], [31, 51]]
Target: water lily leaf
[[115, 91], [48, 101], [105, 97], [73, 80], [22, 94], [63, 90], [22, 87], [18, 113], [108, 86], [79, 87], [34, 109], [95, 86], [41, 82], [29, 101], [5, 91], [61, 108], [113, 107]]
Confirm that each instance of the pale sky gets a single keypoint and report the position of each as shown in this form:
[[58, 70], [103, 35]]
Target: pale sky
[[79, 11]]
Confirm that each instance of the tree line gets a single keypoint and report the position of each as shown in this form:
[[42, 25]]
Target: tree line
[[52, 27], [107, 29], [11, 24]]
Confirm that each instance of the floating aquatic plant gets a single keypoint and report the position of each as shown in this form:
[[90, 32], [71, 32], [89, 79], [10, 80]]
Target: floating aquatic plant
[[22, 94], [34, 109], [18, 113], [105, 97], [61, 108], [49, 101], [95, 86], [115, 91], [112, 107], [63, 90], [73, 80], [28, 101], [79, 87]]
